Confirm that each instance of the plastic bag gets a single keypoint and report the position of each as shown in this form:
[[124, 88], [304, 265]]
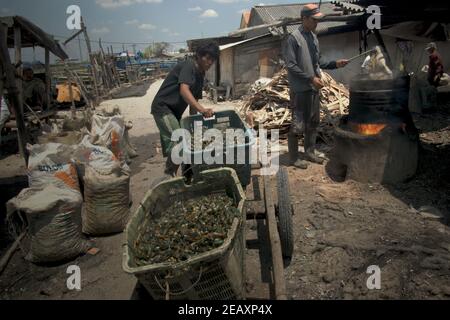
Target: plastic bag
[[107, 199], [109, 132], [51, 164]]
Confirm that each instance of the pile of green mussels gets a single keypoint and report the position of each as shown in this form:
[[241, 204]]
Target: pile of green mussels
[[187, 228]]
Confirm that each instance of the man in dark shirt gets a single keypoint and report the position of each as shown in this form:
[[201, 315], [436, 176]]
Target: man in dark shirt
[[435, 67], [303, 61], [182, 87]]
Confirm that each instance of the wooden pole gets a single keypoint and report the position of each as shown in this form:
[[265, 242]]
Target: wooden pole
[[13, 91], [48, 77], [94, 69], [105, 67], [5, 259], [73, 109], [18, 60], [73, 37], [80, 84], [275, 244]]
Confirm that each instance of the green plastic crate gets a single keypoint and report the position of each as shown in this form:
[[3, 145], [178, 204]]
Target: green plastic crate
[[214, 275], [223, 120]]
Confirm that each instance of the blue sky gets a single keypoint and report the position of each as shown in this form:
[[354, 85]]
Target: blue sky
[[136, 21]]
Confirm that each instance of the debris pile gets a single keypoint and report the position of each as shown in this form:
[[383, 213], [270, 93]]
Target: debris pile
[[187, 228], [270, 104]]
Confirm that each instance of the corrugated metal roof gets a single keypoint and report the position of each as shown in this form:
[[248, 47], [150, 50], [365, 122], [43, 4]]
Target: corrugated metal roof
[[350, 6], [271, 13]]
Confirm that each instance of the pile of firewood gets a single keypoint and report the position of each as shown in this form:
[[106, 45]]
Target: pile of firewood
[[269, 106]]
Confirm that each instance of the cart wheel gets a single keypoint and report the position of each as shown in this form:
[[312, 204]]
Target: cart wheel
[[285, 212]]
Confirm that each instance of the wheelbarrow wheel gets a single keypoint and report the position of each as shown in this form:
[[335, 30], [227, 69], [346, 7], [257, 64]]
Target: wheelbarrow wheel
[[285, 212]]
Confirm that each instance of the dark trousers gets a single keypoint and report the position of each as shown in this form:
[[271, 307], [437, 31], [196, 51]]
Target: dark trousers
[[305, 119]]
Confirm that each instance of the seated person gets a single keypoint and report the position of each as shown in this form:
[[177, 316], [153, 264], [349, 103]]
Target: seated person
[[34, 94], [4, 114]]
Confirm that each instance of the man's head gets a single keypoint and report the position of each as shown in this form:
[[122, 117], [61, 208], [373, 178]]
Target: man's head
[[28, 73], [310, 15], [206, 55], [431, 47]]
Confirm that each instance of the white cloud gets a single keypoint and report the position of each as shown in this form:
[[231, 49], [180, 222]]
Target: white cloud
[[210, 13], [165, 30], [111, 4], [240, 12], [132, 22], [175, 34], [195, 9], [147, 26], [101, 30]]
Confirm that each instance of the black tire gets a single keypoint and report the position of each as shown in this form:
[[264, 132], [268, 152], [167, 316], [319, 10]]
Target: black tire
[[285, 213]]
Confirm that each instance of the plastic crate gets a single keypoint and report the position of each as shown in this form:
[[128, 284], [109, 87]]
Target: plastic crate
[[222, 120], [214, 275]]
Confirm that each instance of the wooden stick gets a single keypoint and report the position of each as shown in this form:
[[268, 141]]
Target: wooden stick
[[83, 89], [73, 37], [275, 244], [8, 255]]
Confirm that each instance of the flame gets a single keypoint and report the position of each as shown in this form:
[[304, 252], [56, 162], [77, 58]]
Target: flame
[[367, 129]]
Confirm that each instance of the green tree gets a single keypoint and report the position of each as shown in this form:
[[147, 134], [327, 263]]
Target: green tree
[[156, 49]]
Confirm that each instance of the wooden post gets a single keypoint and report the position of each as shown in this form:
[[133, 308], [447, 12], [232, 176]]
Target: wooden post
[[48, 77], [94, 69], [106, 70], [275, 244], [72, 107], [18, 60], [13, 91]]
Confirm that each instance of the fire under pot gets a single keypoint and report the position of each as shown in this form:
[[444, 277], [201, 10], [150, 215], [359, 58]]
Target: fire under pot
[[378, 141]]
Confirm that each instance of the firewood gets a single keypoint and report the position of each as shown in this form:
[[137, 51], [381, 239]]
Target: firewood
[[270, 104]]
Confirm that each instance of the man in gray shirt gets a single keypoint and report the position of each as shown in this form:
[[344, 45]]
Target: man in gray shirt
[[303, 61]]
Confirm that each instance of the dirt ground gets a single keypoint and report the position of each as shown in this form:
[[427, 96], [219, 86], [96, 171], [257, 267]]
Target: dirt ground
[[340, 230]]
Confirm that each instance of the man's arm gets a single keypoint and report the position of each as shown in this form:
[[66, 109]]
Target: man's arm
[[291, 59], [186, 80], [187, 95], [327, 65]]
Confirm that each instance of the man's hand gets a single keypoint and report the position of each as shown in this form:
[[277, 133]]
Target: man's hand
[[341, 63], [317, 83], [207, 113]]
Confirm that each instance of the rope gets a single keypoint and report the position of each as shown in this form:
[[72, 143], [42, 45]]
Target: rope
[[167, 290]]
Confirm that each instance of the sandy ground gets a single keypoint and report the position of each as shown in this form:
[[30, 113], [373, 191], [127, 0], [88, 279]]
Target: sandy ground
[[340, 230]]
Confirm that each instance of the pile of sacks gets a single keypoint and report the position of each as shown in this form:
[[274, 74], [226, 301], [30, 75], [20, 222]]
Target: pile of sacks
[[74, 190]]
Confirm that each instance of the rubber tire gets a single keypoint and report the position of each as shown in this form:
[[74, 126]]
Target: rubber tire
[[285, 213]]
